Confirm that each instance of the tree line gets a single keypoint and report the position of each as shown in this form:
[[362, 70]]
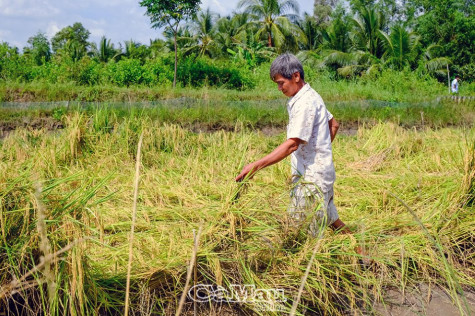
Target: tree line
[[348, 39]]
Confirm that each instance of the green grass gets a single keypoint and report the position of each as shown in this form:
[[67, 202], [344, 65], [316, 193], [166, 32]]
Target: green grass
[[86, 171], [393, 86]]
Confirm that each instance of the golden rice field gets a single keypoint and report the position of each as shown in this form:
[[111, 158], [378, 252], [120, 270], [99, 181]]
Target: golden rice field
[[407, 195]]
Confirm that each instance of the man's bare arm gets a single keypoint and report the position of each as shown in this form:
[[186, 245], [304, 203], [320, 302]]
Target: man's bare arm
[[282, 151], [334, 126]]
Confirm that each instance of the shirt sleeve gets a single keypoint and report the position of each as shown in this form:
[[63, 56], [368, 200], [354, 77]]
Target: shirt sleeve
[[302, 121], [329, 115]]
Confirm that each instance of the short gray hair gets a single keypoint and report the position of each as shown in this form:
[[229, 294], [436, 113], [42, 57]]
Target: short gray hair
[[286, 65]]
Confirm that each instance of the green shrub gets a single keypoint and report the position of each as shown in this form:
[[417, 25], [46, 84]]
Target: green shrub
[[89, 72], [197, 72], [48, 72], [14, 66], [125, 72], [155, 71], [467, 72]]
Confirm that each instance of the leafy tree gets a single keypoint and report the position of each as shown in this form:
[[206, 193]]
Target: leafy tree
[[72, 50], [273, 18], [397, 12], [38, 49], [450, 24], [9, 58], [358, 4], [251, 52], [76, 35], [125, 72], [322, 11], [349, 55], [171, 13]]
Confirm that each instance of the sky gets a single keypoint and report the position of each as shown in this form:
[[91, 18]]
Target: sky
[[118, 20]]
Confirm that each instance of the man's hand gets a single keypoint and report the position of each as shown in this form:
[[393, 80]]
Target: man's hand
[[285, 149], [333, 126], [250, 170]]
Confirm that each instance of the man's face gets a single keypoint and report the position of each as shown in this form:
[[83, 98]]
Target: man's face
[[289, 87]]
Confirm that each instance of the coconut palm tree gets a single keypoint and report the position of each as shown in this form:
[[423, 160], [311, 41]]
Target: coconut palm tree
[[136, 50], [401, 47], [273, 18], [354, 52], [231, 31], [203, 28], [367, 24], [158, 46], [184, 37], [336, 36], [106, 50], [251, 51], [73, 50], [353, 63], [435, 66], [310, 28]]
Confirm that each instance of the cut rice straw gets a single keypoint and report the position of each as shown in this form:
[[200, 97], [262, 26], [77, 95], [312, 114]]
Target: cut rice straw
[[452, 280], [188, 273], [132, 228], [304, 279], [45, 245], [51, 258]]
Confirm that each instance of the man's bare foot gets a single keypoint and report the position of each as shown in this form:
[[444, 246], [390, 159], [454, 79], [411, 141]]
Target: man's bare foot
[[365, 260]]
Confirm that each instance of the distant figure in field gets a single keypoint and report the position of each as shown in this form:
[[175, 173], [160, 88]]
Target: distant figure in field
[[455, 85], [310, 132]]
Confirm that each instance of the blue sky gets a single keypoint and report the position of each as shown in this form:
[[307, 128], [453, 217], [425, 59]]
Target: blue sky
[[119, 20]]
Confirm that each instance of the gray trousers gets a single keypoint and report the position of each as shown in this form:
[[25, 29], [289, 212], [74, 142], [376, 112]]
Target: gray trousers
[[310, 206]]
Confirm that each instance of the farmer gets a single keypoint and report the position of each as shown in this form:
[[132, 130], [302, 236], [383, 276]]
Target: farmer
[[310, 132], [455, 85]]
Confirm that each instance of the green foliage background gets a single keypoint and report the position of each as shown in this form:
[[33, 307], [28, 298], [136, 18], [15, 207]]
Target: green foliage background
[[367, 49]]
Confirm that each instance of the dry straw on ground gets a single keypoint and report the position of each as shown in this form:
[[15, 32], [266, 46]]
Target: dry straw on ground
[[187, 179]]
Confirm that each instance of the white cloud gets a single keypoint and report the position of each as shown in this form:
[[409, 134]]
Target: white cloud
[[97, 32], [214, 6], [28, 8], [52, 29]]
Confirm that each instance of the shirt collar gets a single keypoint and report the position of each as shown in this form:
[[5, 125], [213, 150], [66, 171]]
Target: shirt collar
[[298, 95]]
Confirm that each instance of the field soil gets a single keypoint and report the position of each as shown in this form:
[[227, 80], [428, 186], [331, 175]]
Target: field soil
[[423, 300], [51, 124], [48, 123]]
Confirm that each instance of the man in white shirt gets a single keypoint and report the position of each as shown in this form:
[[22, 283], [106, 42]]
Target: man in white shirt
[[455, 85], [310, 132]]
